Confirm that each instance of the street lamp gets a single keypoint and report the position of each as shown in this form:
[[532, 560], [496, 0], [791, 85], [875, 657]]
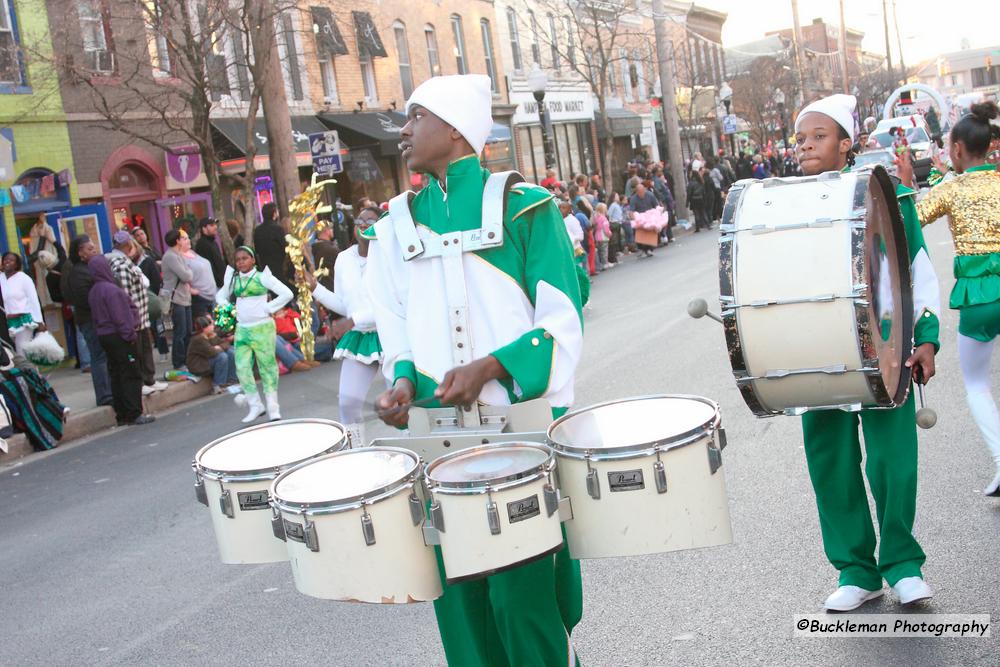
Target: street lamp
[[726, 95], [537, 81], [779, 99]]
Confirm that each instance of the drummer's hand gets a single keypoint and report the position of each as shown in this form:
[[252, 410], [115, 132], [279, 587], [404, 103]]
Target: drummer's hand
[[462, 385], [922, 362], [308, 278], [393, 405], [904, 169]]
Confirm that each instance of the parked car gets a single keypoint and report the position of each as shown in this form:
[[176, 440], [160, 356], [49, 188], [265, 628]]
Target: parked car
[[917, 136], [871, 158]]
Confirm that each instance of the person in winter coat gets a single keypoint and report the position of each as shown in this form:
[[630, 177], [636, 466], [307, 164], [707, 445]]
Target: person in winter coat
[[177, 277], [208, 247], [698, 196], [115, 318], [269, 244], [76, 290]]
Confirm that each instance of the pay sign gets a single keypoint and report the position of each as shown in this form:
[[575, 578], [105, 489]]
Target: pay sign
[[325, 150]]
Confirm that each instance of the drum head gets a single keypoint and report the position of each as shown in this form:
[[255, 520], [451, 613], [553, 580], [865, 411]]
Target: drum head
[[633, 424], [888, 333], [345, 476], [270, 446], [493, 463]]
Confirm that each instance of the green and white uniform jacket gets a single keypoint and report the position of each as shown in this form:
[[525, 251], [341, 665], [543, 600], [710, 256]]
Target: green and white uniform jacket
[[523, 297], [926, 289]]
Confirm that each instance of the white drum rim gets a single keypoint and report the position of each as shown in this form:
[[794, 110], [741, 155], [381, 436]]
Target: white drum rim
[[513, 480], [640, 449], [351, 502], [264, 473]]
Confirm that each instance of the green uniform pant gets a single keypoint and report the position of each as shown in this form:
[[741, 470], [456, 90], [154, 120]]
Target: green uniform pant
[[833, 454], [256, 343], [516, 618]]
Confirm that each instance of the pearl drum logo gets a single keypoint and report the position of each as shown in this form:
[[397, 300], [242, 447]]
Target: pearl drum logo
[[519, 510], [253, 500], [626, 480]]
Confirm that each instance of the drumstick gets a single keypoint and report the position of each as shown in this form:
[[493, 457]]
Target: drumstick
[[698, 308], [926, 417]]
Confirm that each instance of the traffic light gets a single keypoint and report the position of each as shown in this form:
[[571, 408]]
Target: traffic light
[[906, 97]]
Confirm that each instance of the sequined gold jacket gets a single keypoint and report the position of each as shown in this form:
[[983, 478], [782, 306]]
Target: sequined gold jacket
[[972, 202]]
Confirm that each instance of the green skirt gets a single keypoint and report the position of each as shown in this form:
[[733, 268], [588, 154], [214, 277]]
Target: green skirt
[[22, 321], [362, 346], [977, 280]]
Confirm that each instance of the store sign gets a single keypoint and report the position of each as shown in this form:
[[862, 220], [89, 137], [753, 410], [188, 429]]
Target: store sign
[[729, 124], [184, 163], [562, 106], [325, 150]]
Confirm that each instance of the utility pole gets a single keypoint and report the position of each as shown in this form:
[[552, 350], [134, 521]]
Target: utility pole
[[885, 23], [281, 149], [670, 120], [899, 38], [843, 49], [799, 58]]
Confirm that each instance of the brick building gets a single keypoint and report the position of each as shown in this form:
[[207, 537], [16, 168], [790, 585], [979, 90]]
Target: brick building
[[822, 66]]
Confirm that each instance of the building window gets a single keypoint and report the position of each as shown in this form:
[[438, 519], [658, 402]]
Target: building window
[[626, 74], [491, 71], [159, 49], [95, 31], [570, 46], [368, 77], [456, 29], [433, 59], [403, 56], [554, 41], [10, 58], [536, 50], [612, 83], [640, 76], [515, 38], [292, 67], [328, 77], [240, 65]]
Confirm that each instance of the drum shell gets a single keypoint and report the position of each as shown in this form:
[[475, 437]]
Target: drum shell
[[469, 549], [692, 513], [247, 537], [397, 569]]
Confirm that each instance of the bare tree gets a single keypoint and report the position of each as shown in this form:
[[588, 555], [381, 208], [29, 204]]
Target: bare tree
[[754, 92]]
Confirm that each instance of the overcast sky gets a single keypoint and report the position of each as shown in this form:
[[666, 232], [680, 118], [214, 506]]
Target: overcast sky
[[928, 28]]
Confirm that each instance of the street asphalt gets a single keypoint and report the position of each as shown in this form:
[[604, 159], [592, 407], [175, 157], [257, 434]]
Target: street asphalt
[[107, 559]]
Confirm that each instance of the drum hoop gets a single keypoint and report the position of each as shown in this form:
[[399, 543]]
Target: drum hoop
[[254, 475], [641, 449], [351, 502], [477, 487]]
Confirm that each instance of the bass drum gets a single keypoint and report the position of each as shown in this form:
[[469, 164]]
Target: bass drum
[[814, 282]]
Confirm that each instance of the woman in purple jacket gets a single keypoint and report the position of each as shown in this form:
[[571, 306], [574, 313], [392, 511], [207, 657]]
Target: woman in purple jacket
[[115, 318]]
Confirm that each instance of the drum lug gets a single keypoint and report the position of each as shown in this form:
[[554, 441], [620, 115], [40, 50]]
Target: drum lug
[[437, 517], [565, 509], [278, 526], [416, 509], [199, 490], [367, 528], [551, 499], [721, 438], [226, 504], [311, 538], [593, 485], [714, 459], [660, 473], [493, 517]]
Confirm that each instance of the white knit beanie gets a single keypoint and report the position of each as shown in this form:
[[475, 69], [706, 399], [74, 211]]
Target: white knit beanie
[[839, 107], [464, 101]]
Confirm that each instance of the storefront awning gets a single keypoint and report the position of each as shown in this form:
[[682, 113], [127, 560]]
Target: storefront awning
[[234, 130], [368, 129], [624, 123]]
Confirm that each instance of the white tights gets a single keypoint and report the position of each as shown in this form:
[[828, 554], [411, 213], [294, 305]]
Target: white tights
[[355, 380], [974, 357]]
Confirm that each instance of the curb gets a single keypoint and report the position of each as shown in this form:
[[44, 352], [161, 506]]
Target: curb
[[94, 420]]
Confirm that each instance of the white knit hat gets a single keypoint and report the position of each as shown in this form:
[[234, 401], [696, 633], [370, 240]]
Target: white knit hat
[[839, 107], [464, 101]]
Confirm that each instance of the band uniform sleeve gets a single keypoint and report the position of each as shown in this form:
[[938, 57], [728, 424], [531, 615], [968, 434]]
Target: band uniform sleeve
[[223, 293], [388, 307], [330, 300], [282, 295], [543, 360], [934, 204], [34, 306], [926, 290]]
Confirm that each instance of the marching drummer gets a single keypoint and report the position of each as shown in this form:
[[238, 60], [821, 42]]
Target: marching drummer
[[824, 134], [474, 312]]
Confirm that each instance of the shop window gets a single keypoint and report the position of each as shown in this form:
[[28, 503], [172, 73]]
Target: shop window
[[456, 30], [131, 177], [515, 38], [403, 58], [433, 58], [11, 65], [491, 70], [95, 29]]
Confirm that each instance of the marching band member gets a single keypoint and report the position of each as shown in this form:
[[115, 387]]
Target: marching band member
[[972, 202], [824, 133], [255, 330], [470, 312], [358, 345]]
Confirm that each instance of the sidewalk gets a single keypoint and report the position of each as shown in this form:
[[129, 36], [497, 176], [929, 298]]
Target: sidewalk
[[76, 391]]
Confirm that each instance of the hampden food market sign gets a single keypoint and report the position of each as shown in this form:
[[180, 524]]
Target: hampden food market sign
[[562, 106]]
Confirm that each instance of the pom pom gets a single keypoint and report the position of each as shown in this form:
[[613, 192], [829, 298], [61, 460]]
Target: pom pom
[[240, 400], [44, 350], [225, 318]]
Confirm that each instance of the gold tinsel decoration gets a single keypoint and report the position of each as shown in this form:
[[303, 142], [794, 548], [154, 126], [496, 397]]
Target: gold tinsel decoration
[[305, 224]]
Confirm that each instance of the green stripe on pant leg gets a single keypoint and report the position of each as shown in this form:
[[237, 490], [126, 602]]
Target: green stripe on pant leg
[[891, 468], [466, 624], [833, 455]]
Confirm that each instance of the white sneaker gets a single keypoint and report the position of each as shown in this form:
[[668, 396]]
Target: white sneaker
[[993, 489], [160, 385], [148, 389], [912, 589], [847, 598]]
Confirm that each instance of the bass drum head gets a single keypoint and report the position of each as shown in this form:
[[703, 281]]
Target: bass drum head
[[267, 447], [493, 464], [346, 476], [888, 333], [632, 424]]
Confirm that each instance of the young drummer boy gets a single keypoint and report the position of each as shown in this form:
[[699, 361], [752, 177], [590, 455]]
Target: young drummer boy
[[824, 134]]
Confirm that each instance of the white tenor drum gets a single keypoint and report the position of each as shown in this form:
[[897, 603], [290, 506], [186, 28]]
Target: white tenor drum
[[233, 475], [817, 304], [643, 475], [352, 521], [494, 507]]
